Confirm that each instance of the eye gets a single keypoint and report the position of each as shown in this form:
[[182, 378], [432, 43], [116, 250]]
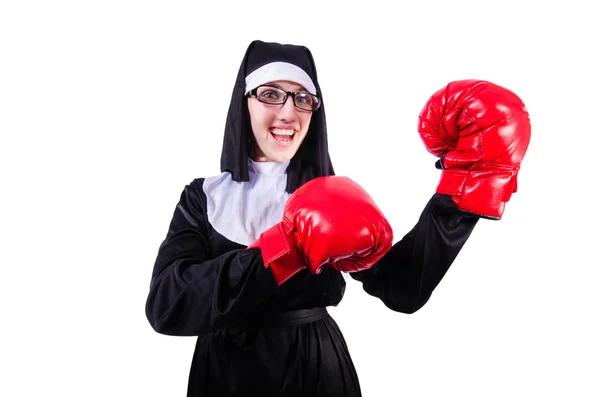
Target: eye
[[269, 94], [304, 99]]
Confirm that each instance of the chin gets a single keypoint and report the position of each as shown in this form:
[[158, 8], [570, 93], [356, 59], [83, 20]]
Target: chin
[[282, 157]]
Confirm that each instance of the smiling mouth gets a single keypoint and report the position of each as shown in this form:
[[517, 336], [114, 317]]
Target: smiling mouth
[[283, 136]]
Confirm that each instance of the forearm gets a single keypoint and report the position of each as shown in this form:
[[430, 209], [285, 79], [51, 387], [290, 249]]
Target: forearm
[[407, 275], [192, 297]]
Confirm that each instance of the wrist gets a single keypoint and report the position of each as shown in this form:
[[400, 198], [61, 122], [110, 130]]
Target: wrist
[[279, 253], [483, 192]]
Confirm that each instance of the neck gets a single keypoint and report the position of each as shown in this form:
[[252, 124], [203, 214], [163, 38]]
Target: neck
[[267, 167]]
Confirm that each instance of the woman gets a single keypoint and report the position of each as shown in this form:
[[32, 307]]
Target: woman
[[261, 333]]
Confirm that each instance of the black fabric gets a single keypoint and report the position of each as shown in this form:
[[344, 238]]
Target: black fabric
[[299, 359], [312, 159], [406, 276], [274, 319], [208, 286], [263, 53], [202, 281]]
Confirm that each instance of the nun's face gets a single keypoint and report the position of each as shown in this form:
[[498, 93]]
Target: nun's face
[[278, 129]]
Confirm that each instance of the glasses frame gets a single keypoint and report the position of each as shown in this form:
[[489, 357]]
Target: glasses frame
[[253, 94]]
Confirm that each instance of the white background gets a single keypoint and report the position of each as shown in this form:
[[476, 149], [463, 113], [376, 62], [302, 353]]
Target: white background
[[108, 108]]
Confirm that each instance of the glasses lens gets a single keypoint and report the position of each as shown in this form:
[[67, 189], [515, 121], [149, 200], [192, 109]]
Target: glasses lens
[[271, 95], [306, 101]]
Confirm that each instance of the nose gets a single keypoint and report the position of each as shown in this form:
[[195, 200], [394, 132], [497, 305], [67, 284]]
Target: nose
[[287, 112]]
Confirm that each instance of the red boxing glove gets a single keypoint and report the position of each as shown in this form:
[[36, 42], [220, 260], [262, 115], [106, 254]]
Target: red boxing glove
[[481, 132], [328, 220]]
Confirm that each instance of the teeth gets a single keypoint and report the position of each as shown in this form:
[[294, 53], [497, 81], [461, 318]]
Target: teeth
[[279, 131]]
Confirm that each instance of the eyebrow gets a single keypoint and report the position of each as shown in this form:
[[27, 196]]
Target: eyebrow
[[301, 89]]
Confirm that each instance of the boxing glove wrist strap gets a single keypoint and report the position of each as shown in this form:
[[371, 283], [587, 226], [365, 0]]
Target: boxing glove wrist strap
[[483, 192], [279, 253]]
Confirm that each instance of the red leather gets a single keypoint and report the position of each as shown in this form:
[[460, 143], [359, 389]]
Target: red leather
[[481, 132], [279, 252], [329, 220]]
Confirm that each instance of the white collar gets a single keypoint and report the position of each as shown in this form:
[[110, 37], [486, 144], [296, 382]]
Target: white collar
[[267, 167]]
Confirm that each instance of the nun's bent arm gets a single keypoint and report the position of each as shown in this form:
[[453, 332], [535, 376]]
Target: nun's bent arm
[[192, 293], [407, 275]]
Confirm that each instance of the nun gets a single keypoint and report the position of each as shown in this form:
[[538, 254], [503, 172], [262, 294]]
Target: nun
[[256, 336]]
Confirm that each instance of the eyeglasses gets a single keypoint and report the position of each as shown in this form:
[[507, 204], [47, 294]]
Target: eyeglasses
[[273, 95]]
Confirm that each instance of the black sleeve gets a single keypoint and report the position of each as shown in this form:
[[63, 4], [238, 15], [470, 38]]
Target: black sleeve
[[193, 293], [406, 276]]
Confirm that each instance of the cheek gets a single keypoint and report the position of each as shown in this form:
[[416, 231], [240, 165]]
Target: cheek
[[258, 120], [305, 120]]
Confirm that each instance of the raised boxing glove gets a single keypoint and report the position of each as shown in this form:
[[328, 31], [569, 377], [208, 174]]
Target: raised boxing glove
[[328, 220], [481, 132]]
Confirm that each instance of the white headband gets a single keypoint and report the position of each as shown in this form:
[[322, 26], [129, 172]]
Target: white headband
[[279, 71]]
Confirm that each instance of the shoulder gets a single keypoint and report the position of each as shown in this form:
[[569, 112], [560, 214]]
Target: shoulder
[[200, 186], [200, 183], [196, 183], [194, 186], [192, 195]]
